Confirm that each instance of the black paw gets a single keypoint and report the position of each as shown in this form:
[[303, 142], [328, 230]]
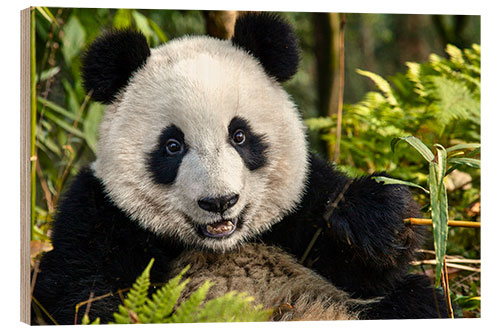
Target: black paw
[[368, 216]]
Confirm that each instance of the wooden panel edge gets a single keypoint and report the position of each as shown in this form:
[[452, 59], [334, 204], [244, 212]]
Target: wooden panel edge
[[25, 213]]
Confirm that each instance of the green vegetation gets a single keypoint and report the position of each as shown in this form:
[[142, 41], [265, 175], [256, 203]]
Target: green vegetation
[[164, 305], [436, 98], [438, 101]]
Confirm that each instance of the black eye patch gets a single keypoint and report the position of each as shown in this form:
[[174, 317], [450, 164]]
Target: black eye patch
[[162, 164], [253, 150]]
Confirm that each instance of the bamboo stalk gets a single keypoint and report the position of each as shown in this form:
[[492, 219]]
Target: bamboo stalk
[[340, 101], [451, 223]]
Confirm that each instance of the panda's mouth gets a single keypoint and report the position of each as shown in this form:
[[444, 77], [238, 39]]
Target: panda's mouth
[[219, 229]]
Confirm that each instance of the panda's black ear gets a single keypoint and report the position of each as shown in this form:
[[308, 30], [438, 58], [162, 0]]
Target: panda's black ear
[[111, 60], [271, 40]]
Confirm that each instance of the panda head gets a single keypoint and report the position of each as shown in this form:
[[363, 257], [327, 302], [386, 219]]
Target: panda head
[[200, 142]]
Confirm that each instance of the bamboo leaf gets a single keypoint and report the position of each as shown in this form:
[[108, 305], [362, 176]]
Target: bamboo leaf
[[439, 208], [158, 31], [463, 146], [141, 22], [64, 125], [122, 19], [73, 39], [54, 107], [471, 162], [392, 181], [415, 143], [91, 124]]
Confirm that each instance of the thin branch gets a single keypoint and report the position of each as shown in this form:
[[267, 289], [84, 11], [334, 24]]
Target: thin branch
[[433, 262], [309, 247], [44, 311], [341, 90], [447, 289], [451, 223]]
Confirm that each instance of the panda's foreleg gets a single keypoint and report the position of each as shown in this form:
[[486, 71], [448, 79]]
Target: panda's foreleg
[[351, 230]]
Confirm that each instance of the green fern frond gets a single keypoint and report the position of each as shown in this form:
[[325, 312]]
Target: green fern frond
[[381, 84], [163, 305], [413, 75], [135, 299], [454, 100], [160, 306], [455, 54], [187, 312], [239, 311]]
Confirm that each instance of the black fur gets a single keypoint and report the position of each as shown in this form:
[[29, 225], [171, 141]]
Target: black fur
[[98, 249], [110, 62], [271, 40], [163, 166], [254, 149], [365, 237]]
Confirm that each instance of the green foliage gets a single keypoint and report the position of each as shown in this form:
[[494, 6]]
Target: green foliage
[[164, 306], [423, 102], [438, 199]]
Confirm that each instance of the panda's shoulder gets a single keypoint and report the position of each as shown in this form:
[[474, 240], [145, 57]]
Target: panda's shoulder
[[86, 212]]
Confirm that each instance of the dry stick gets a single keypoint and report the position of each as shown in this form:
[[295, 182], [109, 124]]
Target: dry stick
[[36, 269], [45, 187], [341, 89], [311, 244], [92, 299], [44, 310], [451, 223], [433, 262], [87, 309], [328, 213], [447, 289]]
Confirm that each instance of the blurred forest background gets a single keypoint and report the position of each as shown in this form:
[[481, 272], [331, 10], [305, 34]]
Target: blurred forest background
[[400, 75]]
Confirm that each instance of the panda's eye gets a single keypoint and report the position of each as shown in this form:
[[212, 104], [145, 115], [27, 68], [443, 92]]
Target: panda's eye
[[239, 137], [174, 147]]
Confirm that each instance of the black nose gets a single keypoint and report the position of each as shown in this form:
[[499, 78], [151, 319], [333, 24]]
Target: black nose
[[219, 204]]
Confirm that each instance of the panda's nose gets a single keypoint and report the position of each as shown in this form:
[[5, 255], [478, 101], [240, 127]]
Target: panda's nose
[[218, 204]]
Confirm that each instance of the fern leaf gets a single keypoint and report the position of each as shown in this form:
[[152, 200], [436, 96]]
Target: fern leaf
[[188, 310], [320, 123], [455, 54], [413, 75], [382, 84], [160, 307], [233, 307], [454, 100], [136, 297], [122, 316]]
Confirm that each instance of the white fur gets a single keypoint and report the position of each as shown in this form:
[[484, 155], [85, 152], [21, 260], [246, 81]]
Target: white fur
[[200, 84]]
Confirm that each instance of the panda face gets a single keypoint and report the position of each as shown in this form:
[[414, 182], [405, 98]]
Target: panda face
[[203, 146]]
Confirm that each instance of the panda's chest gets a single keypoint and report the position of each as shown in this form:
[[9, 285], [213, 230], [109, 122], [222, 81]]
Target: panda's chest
[[272, 277]]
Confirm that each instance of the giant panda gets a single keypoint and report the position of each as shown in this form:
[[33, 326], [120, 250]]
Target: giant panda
[[202, 159]]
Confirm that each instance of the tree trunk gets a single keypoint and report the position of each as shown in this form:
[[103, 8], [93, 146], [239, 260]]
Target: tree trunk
[[327, 27], [220, 23]]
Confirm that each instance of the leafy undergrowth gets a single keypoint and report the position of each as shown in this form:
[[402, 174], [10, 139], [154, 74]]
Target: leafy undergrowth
[[164, 306]]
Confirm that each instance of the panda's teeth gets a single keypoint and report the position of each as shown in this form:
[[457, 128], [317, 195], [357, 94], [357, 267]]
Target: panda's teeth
[[220, 228]]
